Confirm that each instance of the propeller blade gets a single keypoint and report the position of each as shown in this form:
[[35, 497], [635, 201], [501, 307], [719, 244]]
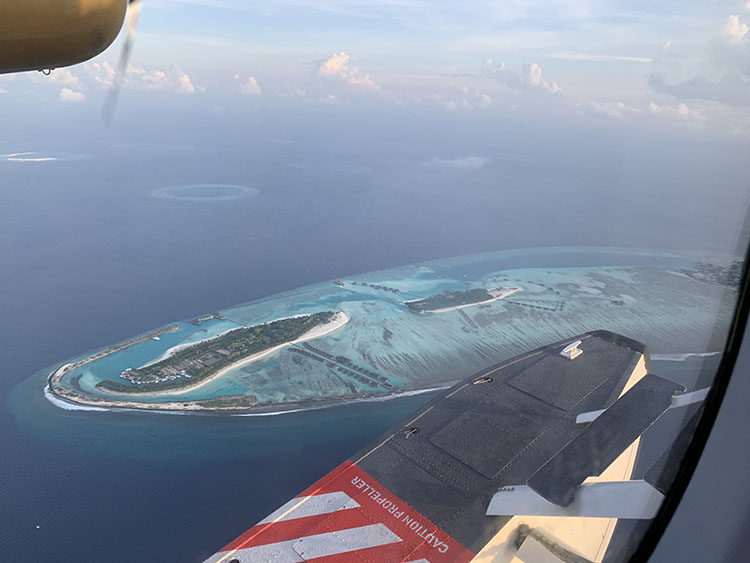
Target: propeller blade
[[131, 23]]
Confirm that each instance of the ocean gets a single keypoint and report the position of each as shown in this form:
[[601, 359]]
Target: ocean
[[91, 255]]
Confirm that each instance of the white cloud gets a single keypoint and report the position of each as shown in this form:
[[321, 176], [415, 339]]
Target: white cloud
[[338, 66], [139, 78], [612, 110], [463, 163], [249, 86], [465, 99], [103, 74], [3, 91], [71, 96], [734, 30], [530, 77], [593, 57], [329, 99], [680, 111], [185, 84], [64, 77], [731, 46]]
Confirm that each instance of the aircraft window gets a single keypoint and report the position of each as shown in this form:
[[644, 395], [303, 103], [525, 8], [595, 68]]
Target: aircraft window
[[292, 280]]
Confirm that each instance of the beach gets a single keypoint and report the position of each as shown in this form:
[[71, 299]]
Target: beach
[[338, 320], [497, 293]]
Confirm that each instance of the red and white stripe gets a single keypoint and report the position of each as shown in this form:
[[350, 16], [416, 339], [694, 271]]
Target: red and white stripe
[[346, 516]]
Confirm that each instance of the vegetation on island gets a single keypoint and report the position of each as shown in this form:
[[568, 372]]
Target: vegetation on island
[[197, 362], [449, 299], [729, 275]]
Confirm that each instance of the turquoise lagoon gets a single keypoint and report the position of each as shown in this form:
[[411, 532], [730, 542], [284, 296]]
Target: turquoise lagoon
[[564, 292]]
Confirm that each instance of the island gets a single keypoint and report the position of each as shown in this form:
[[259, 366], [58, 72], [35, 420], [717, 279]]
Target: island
[[449, 300], [729, 275], [357, 339], [190, 366]]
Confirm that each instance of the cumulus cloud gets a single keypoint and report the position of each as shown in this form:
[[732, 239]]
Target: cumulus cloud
[[140, 78], [463, 163], [732, 89], [249, 86], [64, 77], [612, 110], [530, 77], [680, 111], [464, 99], [339, 66], [734, 30], [71, 96], [731, 46]]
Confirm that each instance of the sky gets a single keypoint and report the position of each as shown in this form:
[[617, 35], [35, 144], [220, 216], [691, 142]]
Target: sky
[[673, 65]]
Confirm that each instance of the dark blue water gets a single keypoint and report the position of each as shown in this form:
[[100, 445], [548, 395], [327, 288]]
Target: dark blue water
[[89, 258], [150, 487]]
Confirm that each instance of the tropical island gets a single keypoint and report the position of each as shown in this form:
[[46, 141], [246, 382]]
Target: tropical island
[[259, 357], [188, 366], [450, 300], [192, 365]]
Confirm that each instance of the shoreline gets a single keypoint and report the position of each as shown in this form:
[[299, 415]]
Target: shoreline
[[502, 295], [264, 409], [268, 409], [169, 352], [56, 376], [339, 320], [63, 393]]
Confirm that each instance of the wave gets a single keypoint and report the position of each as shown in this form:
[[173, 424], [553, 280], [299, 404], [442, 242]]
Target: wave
[[58, 402], [683, 357], [63, 404], [335, 403]]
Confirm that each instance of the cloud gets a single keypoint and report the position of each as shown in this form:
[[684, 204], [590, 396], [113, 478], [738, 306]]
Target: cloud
[[734, 30], [732, 89], [71, 96], [329, 99], [680, 111], [465, 99], [612, 110], [249, 86], [3, 91], [64, 77], [731, 46], [139, 78], [338, 66], [593, 57], [530, 77], [463, 163]]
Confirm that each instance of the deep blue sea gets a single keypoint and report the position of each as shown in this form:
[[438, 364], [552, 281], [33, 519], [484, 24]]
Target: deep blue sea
[[90, 256]]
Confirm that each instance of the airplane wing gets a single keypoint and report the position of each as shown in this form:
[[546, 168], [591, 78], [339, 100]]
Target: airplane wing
[[421, 492]]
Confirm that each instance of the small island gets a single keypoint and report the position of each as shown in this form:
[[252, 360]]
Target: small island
[[729, 275], [449, 300], [192, 365], [188, 366]]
